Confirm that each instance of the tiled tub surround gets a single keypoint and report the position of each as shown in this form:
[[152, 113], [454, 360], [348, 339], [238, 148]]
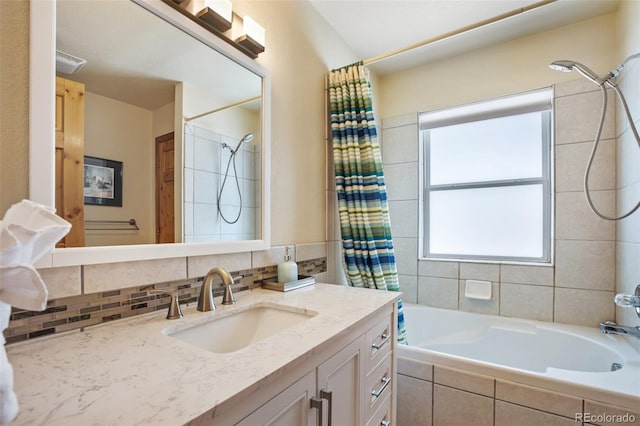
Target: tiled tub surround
[[127, 372], [562, 358], [579, 287], [440, 395], [125, 299], [628, 178]]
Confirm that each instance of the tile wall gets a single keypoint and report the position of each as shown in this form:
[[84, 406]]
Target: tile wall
[[203, 179], [579, 287], [93, 294], [628, 194], [436, 395]]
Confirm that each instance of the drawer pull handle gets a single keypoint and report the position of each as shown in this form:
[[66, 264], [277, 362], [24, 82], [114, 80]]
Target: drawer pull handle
[[385, 382], [384, 341], [385, 422]]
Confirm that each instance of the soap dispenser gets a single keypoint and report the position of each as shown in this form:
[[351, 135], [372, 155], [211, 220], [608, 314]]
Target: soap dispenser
[[287, 270]]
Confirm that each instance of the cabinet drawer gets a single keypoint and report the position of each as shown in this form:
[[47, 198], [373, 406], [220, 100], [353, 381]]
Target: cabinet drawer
[[378, 386], [382, 417], [379, 340]]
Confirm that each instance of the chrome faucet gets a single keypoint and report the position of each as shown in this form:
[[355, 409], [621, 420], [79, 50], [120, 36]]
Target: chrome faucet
[[625, 301], [205, 300], [610, 327]]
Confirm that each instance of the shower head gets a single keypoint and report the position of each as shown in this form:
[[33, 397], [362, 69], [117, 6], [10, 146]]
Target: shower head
[[586, 72], [562, 66], [246, 138]]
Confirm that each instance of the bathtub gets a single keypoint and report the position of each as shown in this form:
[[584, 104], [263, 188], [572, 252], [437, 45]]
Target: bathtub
[[574, 360]]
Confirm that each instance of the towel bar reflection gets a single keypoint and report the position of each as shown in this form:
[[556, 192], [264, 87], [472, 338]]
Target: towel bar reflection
[[111, 225]]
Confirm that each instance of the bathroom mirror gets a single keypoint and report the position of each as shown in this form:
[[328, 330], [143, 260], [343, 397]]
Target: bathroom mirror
[[166, 101]]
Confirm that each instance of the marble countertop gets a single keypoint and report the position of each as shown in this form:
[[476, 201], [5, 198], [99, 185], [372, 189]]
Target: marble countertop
[[129, 373]]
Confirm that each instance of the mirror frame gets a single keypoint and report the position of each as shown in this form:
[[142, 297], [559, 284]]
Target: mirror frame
[[42, 140]]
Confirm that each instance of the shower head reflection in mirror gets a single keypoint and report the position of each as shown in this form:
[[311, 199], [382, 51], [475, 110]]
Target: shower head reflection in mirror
[[246, 138], [606, 80]]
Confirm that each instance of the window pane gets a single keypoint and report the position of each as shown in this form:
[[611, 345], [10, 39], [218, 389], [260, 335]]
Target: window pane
[[499, 221], [495, 149]]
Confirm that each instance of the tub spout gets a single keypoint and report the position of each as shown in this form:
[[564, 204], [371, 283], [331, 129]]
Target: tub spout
[[611, 327]]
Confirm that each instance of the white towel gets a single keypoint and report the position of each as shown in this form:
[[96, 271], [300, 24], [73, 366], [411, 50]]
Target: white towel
[[8, 399], [28, 231]]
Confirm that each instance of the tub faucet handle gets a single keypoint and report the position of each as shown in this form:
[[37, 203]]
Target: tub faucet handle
[[629, 300]]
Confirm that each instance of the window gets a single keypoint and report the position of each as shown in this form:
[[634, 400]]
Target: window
[[486, 179]]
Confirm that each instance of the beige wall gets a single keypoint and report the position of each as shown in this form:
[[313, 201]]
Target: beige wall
[[628, 28], [511, 67], [301, 47], [234, 122], [164, 119], [14, 102], [122, 132]]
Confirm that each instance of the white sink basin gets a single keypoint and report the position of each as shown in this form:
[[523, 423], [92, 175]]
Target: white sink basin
[[239, 330]]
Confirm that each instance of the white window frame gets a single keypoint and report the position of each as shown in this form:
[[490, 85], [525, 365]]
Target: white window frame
[[534, 101]]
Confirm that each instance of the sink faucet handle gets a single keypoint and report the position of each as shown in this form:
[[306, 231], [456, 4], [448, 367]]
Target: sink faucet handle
[[174, 311], [228, 298]]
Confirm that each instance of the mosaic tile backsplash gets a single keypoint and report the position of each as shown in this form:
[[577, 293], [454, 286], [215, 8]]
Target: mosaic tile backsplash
[[77, 312]]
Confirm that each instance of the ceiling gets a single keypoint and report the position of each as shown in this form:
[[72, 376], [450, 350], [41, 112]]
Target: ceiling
[[376, 27]]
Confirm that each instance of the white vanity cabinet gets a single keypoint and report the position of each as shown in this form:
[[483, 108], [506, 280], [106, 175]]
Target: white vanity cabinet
[[344, 353], [290, 407], [353, 386]]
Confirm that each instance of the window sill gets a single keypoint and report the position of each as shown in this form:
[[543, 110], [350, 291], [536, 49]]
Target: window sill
[[493, 262]]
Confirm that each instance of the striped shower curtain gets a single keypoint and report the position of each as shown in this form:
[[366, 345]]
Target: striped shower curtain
[[362, 196]]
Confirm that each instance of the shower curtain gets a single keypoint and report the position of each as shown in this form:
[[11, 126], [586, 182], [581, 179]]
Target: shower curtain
[[362, 196]]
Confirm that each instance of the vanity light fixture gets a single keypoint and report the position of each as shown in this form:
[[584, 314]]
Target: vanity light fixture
[[218, 17], [217, 13], [253, 35]]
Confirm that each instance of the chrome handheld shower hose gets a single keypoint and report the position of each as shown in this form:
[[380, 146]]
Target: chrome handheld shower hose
[[234, 151], [232, 159], [596, 143], [568, 66]]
